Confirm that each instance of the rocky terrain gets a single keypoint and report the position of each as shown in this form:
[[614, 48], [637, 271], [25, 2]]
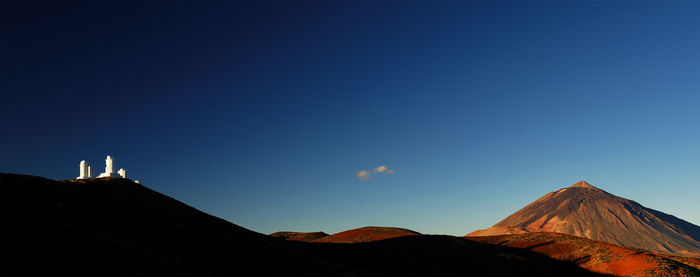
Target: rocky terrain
[[114, 226], [117, 227], [598, 256]]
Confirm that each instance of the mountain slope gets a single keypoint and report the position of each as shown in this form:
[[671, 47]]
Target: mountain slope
[[586, 211], [117, 227], [598, 256]]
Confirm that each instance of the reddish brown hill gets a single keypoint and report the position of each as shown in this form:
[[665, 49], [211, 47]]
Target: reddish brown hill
[[367, 234], [299, 236], [598, 256], [586, 211]]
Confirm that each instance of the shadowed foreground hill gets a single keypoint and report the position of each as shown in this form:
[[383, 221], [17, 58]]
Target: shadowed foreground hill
[[595, 256], [586, 211], [118, 227], [115, 226]]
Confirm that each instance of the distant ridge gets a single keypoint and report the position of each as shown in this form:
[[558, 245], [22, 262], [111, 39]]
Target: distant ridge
[[367, 234], [363, 234], [587, 211], [299, 236]]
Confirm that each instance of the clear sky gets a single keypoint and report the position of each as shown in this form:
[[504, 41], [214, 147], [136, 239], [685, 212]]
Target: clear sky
[[264, 112]]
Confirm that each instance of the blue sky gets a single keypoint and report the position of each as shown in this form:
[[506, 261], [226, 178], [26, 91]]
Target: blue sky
[[262, 113]]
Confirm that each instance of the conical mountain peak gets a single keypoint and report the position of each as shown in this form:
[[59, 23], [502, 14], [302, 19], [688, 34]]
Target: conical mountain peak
[[586, 211], [583, 184]]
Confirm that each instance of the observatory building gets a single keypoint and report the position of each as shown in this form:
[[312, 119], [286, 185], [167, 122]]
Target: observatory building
[[86, 170], [109, 169]]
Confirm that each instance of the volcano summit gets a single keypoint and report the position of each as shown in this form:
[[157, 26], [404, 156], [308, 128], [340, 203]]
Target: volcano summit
[[587, 211]]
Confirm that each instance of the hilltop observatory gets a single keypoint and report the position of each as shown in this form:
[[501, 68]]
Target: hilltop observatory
[[109, 169], [86, 170]]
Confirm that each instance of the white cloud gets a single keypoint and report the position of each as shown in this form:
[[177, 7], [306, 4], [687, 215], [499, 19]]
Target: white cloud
[[363, 174], [366, 174]]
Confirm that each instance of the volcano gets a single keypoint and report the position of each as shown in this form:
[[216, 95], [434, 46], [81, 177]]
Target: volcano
[[586, 211]]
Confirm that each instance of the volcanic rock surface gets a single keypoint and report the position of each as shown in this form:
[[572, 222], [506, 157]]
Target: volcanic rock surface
[[586, 211]]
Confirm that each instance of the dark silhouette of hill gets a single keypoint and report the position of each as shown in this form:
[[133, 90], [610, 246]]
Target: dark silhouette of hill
[[423, 255], [598, 256], [367, 234], [299, 236], [115, 226], [586, 211], [118, 227]]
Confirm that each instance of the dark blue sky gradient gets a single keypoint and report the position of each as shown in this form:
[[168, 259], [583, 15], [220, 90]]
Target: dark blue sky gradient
[[262, 112]]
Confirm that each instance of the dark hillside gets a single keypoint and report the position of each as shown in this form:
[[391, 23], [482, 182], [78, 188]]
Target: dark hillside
[[118, 227], [115, 226]]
